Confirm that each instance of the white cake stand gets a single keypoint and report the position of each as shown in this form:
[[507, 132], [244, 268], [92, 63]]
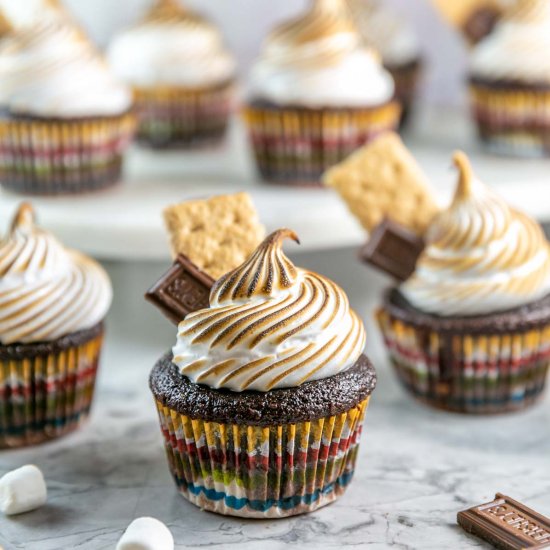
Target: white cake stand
[[125, 223]]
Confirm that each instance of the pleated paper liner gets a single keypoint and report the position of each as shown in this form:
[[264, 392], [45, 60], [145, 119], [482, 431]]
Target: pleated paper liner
[[46, 390], [58, 156], [183, 117], [262, 472], [296, 145], [514, 121], [468, 373]]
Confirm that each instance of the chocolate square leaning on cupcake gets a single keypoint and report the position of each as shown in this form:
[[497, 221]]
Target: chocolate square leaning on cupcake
[[262, 398]]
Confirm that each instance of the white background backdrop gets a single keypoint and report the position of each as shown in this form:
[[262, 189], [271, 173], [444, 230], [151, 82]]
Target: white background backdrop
[[245, 22]]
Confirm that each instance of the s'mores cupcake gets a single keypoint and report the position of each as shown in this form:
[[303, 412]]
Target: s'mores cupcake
[[316, 94], [65, 121], [510, 82], [261, 400], [181, 73], [397, 43], [53, 301], [469, 330]]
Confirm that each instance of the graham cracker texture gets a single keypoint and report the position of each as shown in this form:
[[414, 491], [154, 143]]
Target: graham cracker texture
[[216, 234], [382, 179]]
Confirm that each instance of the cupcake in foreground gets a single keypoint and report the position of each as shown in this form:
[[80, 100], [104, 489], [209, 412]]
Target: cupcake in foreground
[[469, 330], [395, 40], [316, 94], [262, 399], [52, 304], [181, 74], [64, 119], [510, 82]]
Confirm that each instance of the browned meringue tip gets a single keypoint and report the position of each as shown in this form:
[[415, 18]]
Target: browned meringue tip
[[279, 235], [24, 217], [466, 175]]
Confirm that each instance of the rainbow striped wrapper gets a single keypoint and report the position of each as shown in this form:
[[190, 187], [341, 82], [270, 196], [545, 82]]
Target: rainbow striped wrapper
[[468, 373], [296, 145], [62, 156], [46, 389], [262, 472], [513, 121], [174, 116]]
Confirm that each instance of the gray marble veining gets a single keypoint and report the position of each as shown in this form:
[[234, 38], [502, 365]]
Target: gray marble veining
[[416, 468]]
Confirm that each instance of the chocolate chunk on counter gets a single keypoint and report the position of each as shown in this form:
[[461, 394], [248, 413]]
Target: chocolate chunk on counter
[[184, 288], [393, 249], [507, 524]]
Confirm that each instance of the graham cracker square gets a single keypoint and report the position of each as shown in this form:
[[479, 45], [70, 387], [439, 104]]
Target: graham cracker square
[[216, 234], [382, 179]]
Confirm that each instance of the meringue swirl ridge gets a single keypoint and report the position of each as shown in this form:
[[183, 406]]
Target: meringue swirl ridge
[[481, 255], [270, 325], [46, 290]]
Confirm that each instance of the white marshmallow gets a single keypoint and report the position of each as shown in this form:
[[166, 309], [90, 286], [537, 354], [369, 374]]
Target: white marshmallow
[[146, 534], [22, 490]]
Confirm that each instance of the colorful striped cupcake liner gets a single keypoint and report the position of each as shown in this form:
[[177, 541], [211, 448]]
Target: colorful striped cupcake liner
[[513, 121], [295, 146], [469, 373], [170, 117], [46, 395], [49, 157], [262, 472]]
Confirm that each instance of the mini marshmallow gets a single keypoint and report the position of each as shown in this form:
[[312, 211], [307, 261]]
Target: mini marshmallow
[[146, 534], [22, 490]]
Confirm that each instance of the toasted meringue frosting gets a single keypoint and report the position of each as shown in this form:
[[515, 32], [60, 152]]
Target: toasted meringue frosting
[[270, 325], [517, 49], [317, 60], [481, 255], [46, 290], [171, 46], [385, 31], [52, 70]]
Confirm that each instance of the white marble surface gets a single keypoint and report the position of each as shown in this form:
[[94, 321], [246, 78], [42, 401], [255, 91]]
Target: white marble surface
[[416, 467]]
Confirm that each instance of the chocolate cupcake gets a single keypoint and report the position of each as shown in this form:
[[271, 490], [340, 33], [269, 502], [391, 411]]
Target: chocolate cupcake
[[469, 331], [262, 399], [52, 304], [395, 40], [181, 74], [510, 82], [316, 94], [64, 120]]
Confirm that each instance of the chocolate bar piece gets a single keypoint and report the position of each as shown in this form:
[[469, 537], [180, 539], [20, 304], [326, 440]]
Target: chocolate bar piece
[[507, 524], [184, 288], [393, 248]]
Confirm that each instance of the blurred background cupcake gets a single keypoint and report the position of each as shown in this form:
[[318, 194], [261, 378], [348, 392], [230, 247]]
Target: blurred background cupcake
[[181, 74], [316, 94], [395, 40], [52, 304], [65, 121], [510, 81], [469, 330]]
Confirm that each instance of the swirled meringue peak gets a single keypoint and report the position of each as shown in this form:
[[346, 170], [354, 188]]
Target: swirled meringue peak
[[270, 325], [46, 290], [481, 255], [51, 69], [517, 48], [318, 60], [171, 46]]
